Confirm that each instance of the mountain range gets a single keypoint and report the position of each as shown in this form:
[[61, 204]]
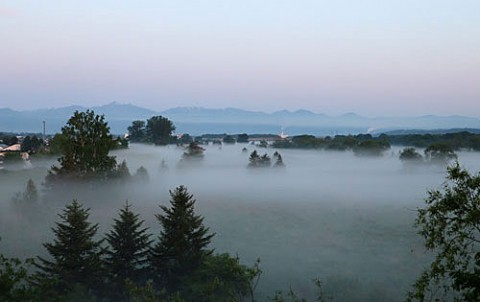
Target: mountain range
[[197, 120]]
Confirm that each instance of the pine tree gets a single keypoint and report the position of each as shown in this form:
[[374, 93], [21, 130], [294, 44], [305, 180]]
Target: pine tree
[[182, 243], [75, 254], [129, 245], [254, 159], [122, 170], [141, 174]]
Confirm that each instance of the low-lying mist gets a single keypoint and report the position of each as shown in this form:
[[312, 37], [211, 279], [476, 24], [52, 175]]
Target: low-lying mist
[[345, 219]]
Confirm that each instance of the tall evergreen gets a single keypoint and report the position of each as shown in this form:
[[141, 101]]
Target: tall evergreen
[[182, 243], [129, 245], [75, 254]]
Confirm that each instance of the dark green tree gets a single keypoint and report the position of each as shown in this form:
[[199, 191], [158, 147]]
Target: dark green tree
[[221, 278], [371, 147], [450, 225], [75, 255], [228, 139], [254, 159], [410, 155], [440, 153], [126, 257], [137, 131], [160, 129], [85, 146], [242, 138], [31, 144], [257, 161], [55, 145], [182, 244], [10, 140]]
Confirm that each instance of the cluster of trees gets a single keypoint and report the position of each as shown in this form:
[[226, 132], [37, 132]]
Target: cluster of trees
[[157, 130], [362, 144], [32, 144], [264, 161], [435, 153], [457, 140], [225, 138], [127, 264], [8, 139], [367, 144]]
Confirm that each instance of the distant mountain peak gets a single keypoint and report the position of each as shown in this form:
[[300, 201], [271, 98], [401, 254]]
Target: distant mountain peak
[[351, 115], [303, 112], [200, 120]]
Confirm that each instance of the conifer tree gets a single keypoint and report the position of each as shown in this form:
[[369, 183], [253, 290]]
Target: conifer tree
[[254, 159], [75, 254], [122, 170], [129, 245], [182, 243], [141, 174]]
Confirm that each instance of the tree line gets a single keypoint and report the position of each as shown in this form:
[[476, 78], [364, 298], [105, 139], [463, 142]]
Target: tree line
[[361, 144]]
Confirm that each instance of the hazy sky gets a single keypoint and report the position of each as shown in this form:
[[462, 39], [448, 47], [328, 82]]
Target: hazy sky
[[373, 57]]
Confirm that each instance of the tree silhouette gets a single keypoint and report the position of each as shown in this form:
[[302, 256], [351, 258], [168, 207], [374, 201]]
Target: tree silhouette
[[159, 129], [126, 257], [75, 254], [450, 225], [85, 144], [137, 131], [182, 243]]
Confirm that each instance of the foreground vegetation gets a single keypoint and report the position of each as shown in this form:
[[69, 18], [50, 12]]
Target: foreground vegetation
[[127, 265]]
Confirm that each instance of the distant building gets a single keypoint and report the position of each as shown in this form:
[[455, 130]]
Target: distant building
[[13, 148]]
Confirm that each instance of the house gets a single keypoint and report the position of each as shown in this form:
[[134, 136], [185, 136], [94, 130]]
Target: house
[[13, 148]]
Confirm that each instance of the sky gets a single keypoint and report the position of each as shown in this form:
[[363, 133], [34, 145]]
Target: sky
[[372, 57]]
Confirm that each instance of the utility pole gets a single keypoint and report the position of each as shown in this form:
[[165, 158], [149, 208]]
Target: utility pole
[[44, 131]]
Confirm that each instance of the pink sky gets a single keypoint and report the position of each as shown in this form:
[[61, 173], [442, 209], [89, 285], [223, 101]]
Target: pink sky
[[373, 58]]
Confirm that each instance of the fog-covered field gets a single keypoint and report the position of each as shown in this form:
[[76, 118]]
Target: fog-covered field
[[347, 220]]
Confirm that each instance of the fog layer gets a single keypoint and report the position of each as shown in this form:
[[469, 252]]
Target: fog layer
[[347, 220]]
